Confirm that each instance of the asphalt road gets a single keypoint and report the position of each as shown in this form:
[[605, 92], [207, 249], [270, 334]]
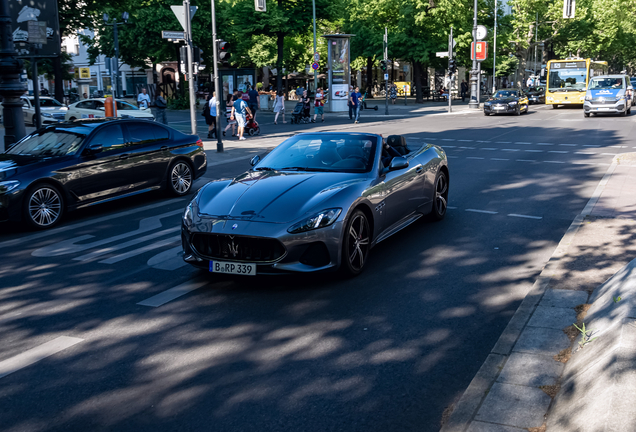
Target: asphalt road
[[388, 350]]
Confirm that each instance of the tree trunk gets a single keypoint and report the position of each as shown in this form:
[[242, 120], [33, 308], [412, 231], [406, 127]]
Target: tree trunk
[[59, 79], [280, 43], [370, 76], [417, 75]]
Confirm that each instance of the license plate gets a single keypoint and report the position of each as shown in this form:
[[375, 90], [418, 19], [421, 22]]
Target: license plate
[[233, 268], [602, 109], [499, 107]]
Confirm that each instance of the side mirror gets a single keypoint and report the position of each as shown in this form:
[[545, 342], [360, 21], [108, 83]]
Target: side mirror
[[256, 159], [398, 163], [93, 149]]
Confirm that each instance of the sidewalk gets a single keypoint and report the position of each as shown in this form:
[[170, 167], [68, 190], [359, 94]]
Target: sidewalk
[[537, 376]]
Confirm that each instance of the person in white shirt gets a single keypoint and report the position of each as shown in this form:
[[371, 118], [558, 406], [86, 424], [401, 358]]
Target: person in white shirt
[[143, 100]]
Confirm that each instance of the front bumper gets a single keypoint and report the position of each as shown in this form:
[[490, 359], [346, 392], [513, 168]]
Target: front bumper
[[500, 109], [536, 99], [309, 252], [612, 108]]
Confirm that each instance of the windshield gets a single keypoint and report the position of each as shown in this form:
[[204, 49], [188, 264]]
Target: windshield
[[506, 94], [567, 79], [606, 84], [48, 144], [323, 152], [47, 103], [125, 106]]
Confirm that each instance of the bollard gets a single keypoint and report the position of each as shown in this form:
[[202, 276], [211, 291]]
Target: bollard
[[110, 108]]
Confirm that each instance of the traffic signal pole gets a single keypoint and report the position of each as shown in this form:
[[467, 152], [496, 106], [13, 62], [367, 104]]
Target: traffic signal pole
[[450, 69], [474, 104], [386, 75], [217, 84], [188, 35]]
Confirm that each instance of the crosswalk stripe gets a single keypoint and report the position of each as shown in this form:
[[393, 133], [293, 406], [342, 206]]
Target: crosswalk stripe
[[141, 250], [171, 294], [36, 354]]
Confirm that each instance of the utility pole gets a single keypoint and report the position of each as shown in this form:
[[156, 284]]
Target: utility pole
[[115, 67], [474, 88], [450, 69], [217, 84], [536, 32], [386, 75], [188, 35], [313, 3], [494, 54], [10, 86], [36, 89]]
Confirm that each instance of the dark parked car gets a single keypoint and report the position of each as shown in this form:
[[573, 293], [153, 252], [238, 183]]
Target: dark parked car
[[506, 101], [535, 95], [317, 202], [71, 165]]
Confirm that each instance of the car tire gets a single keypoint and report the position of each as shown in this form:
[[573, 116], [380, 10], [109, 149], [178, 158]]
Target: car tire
[[624, 113], [440, 199], [554, 106], [586, 114], [180, 178], [43, 206], [72, 119], [518, 112], [486, 114], [355, 244]]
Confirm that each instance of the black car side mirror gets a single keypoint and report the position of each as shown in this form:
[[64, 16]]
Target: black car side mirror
[[93, 149], [256, 159], [398, 163]]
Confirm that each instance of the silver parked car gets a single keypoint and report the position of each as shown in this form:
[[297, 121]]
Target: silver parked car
[[318, 201]]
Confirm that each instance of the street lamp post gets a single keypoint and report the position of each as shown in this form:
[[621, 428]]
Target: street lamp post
[[217, 83], [494, 54], [124, 16], [10, 86], [313, 3], [474, 104]]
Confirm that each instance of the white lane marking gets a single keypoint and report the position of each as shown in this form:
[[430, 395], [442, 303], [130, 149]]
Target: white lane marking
[[568, 145], [618, 146], [36, 354], [558, 151], [481, 211], [608, 154], [503, 142], [465, 140], [171, 294], [592, 145], [171, 259], [28, 239], [520, 142], [583, 163], [509, 149], [448, 139], [66, 247], [525, 216], [449, 146], [498, 159], [430, 139], [553, 162], [483, 141], [585, 153], [489, 148], [545, 144], [452, 157], [473, 157], [468, 148], [526, 160], [141, 250], [127, 244], [534, 151], [451, 208]]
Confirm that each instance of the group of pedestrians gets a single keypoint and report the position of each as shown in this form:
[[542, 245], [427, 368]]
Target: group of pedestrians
[[303, 97]]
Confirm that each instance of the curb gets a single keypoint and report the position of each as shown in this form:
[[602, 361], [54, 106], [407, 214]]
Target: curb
[[470, 402]]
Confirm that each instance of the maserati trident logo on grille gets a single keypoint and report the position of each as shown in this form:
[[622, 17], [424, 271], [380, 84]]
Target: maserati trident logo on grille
[[234, 249]]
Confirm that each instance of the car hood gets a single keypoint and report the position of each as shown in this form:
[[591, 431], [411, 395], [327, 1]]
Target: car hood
[[12, 164], [272, 196]]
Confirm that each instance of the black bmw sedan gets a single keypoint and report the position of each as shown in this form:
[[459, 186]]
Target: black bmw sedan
[[506, 101], [71, 165]]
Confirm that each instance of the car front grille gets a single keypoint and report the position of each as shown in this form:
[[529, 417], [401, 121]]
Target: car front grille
[[603, 101], [237, 248]]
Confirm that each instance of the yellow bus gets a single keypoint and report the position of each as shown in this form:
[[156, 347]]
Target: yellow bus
[[568, 79]]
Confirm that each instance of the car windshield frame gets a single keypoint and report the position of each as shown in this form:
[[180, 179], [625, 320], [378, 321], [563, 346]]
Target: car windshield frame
[[317, 153], [36, 146]]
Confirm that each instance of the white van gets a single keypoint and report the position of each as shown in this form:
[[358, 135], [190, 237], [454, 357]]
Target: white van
[[608, 94]]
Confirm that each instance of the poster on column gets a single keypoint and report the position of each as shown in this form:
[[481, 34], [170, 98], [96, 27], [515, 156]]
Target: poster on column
[[41, 11], [340, 91]]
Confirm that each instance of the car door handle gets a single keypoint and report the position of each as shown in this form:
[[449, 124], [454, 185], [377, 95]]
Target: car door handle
[[124, 156], [419, 169]]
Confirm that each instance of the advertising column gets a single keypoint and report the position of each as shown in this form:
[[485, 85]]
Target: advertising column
[[339, 71]]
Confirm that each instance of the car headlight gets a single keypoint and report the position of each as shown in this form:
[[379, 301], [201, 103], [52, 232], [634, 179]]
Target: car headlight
[[620, 97], [588, 97], [486, 103], [319, 220], [8, 185], [47, 115], [187, 215], [512, 103], [550, 98]]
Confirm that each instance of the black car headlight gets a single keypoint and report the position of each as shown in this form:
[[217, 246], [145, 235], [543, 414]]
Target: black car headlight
[[8, 185], [319, 220], [187, 215]]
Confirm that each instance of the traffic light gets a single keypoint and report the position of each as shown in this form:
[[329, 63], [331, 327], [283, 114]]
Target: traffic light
[[383, 65], [452, 66], [196, 54], [224, 51]]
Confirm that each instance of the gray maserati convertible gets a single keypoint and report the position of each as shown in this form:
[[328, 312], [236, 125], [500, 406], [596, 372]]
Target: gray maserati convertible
[[317, 202]]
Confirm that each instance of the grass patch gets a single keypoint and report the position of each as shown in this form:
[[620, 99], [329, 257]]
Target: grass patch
[[581, 312], [538, 429]]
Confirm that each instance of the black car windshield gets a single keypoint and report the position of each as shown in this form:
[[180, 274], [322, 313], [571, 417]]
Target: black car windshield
[[606, 84], [506, 94], [48, 144], [323, 152]]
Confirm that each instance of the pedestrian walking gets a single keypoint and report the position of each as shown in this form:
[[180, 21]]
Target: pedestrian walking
[[254, 103], [306, 105], [231, 122], [355, 103], [279, 106], [160, 108], [240, 111], [393, 94], [299, 92], [319, 103], [209, 112], [351, 113], [143, 100], [464, 89]]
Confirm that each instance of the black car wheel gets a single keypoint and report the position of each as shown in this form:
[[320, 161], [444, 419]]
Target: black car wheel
[[43, 206], [440, 202], [486, 113], [180, 178], [586, 114], [355, 247]]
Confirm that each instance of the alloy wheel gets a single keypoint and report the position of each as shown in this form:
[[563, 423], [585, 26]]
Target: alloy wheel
[[45, 207], [181, 178], [358, 244], [441, 195]]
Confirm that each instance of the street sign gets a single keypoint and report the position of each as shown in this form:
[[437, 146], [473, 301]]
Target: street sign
[[441, 54], [482, 32], [260, 6], [315, 66], [386, 77], [179, 12], [165, 34], [480, 50], [85, 73], [37, 32], [454, 43], [316, 57], [569, 7]]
